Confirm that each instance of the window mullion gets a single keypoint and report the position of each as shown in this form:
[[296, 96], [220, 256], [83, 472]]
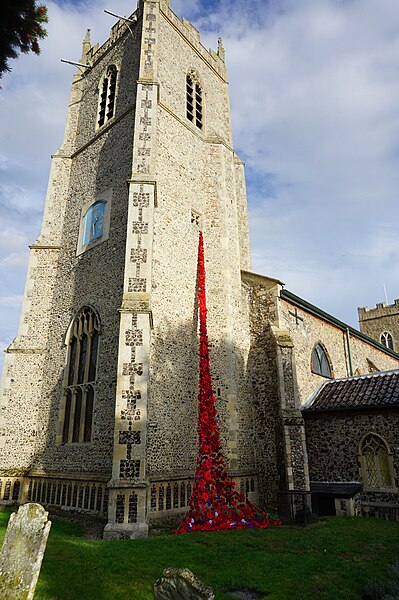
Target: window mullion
[[67, 416], [76, 372], [107, 106], [78, 347], [88, 353], [72, 416], [83, 414]]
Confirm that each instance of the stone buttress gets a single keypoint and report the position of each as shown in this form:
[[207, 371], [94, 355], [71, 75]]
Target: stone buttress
[[279, 426], [129, 484]]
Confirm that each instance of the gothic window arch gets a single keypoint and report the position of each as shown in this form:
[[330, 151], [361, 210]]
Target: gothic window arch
[[320, 362], [386, 340], [376, 463], [80, 378], [107, 92], [194, 100]]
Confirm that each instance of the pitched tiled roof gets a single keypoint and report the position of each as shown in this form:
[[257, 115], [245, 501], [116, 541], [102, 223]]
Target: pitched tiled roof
[[365, 391]]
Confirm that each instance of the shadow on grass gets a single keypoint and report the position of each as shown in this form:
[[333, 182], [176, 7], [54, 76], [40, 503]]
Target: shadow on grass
[[328, 562]]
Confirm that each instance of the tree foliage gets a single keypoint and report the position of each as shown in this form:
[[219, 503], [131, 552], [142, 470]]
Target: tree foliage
[[21, 28]]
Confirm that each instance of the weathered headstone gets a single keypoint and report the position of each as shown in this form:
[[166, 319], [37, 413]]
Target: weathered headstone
[[176, 584], [22, 552]]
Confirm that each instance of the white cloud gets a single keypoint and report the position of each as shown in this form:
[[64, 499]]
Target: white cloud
[[314, 89], [314, 97], [14, 260], [11, 301], [11, 237]]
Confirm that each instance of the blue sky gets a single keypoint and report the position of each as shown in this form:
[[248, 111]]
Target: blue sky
[[314, 89]]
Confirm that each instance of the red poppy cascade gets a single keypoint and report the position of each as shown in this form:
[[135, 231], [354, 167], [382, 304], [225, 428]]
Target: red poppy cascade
[[214, 503]]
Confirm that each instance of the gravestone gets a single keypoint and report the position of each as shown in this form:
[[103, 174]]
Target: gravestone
[[176, 584], [22, 552]]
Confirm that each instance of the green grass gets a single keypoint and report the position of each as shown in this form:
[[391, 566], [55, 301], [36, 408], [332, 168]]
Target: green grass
[[331, 560]]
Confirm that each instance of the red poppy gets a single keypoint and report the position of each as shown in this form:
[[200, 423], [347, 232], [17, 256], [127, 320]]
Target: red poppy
[[214, 503]]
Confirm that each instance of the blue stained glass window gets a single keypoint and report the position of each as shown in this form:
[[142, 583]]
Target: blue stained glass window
[[94, 222]]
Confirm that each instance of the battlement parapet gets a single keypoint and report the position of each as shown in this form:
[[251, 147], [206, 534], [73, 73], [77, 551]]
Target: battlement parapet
[[185, 28], [381, 310]]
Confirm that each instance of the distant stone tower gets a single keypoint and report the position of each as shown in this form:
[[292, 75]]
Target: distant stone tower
[[381, 323], [99, 397]]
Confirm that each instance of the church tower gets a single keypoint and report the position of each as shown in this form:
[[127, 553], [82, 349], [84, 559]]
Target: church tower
[[99, 396]]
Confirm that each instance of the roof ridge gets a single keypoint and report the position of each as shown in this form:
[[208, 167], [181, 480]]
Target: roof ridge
[[366, 375]]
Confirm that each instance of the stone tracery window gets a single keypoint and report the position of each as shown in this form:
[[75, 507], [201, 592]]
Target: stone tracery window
[[106, 103], [194, 99], [320, 364], [80, 378], [387, 340], [376, 462]]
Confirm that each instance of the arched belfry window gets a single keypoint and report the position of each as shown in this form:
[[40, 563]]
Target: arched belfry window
[[106, 104], [387, 340], [320, 364], [194, 99], [376, 462], [80, 378]]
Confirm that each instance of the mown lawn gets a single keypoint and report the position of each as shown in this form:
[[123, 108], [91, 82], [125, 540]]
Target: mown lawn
[[331, 560]]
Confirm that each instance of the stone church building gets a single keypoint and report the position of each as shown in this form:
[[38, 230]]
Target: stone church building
[[99, 389]]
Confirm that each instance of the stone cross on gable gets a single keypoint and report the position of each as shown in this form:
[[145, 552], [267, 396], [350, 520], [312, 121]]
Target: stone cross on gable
[[296, 315]]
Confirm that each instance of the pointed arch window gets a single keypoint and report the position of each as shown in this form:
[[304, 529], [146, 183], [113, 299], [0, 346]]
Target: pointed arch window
[[106, 103], [194, 99], [320, 364], [80, 378], [386, 340], [376, 462]]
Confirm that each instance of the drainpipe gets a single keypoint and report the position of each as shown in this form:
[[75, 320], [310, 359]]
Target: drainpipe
[[348, 343]]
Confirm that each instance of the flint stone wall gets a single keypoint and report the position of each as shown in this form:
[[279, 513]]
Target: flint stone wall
[[263, 376], [95, 277], [100, 160], [195, 172], [333, 444]]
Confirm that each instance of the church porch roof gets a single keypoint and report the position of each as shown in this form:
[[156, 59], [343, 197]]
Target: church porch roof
[[374, 390]]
